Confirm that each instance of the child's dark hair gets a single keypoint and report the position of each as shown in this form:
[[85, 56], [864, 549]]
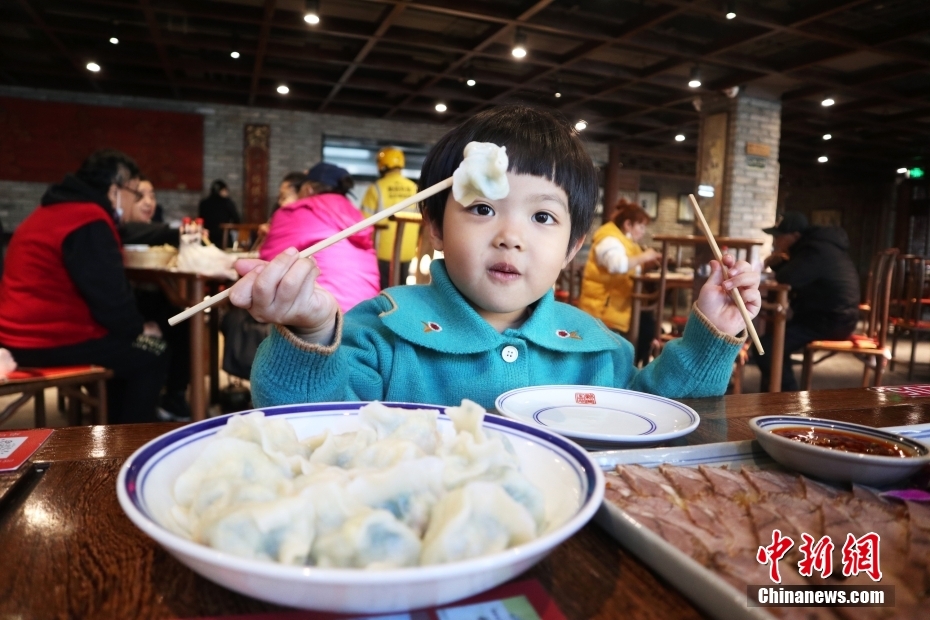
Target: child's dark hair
[[539, 143]]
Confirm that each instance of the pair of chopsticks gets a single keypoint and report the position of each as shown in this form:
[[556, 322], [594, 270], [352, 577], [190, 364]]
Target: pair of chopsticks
[[325, 243], [734, 294]]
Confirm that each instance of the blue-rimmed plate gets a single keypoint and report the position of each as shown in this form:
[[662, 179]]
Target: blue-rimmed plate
[[599, 416], [571, 482]]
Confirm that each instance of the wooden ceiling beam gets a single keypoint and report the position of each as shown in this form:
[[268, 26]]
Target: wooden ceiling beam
[[155, 33], [268, 13]]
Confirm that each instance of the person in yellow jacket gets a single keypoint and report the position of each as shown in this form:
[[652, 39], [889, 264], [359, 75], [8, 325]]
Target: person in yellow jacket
[[606, 287], [386, 192]]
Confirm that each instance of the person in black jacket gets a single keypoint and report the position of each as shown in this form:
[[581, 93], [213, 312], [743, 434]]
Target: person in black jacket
[[64, 296], [217, 208], [824, 296]]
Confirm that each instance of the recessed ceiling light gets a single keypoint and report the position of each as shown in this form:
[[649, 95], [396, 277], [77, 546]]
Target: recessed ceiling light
[[731, 9], [283, 90], [695, 80], [92, 66], [441, 107], [312, 12], [519, 44], [827, 102], [581, 125], [828, 136], [902, 170], [114, 40], [823, 159], [680, 137], [470, 82], [234, 54], [557, 95]]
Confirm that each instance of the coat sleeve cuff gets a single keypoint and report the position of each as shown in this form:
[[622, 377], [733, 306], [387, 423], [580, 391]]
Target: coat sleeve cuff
[[310, 347], [712, 329]]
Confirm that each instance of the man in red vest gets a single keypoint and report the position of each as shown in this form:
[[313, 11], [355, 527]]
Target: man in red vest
[[64, 297]]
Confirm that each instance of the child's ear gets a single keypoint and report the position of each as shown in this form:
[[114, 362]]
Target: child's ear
[[573, 251], [435, 234]]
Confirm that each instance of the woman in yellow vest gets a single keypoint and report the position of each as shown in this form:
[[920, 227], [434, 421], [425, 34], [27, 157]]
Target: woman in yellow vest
[[607, 288]]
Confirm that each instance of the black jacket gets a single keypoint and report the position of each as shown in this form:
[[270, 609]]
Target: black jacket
[[216, 210], [152, 233], [824, 281], [94, 261]]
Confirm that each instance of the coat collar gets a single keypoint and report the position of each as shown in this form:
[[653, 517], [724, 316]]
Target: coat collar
[[438, 317]]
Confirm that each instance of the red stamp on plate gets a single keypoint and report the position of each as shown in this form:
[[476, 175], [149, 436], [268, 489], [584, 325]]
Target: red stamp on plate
[[585, 398]]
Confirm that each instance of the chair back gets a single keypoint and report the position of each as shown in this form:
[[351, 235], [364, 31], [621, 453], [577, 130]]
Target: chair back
[[915, 279], [242, 237], [880, 298]]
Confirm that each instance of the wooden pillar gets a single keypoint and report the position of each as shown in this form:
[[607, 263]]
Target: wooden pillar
[[255, 174], [611, 181]]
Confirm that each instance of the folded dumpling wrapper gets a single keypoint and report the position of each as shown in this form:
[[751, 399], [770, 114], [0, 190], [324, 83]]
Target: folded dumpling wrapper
[[483, 173]]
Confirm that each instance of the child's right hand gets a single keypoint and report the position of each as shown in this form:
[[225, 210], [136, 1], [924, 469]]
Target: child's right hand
[[284, 291]]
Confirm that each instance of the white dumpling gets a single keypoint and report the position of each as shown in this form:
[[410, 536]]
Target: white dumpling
[[408, 490], [416, 425], [231, 458], [525, 493], [468, 460], [474, 520], [276, 437], [373, 540], [332, 504], [280, 530], [339, 450], [467, 418], [386, 453]]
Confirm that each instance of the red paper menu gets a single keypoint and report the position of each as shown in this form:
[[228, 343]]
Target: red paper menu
[[17, 446], [522, 600]]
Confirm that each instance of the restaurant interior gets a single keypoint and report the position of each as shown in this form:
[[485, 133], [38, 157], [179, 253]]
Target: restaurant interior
[[715, 118]]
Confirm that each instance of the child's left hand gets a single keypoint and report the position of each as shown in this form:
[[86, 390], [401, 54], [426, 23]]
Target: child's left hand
[[714, 300]]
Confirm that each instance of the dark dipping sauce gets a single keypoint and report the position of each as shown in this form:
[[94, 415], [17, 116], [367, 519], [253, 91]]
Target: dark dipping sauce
[[847, 442]]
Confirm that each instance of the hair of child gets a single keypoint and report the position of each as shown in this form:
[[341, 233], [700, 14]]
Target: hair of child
[[539, 143]]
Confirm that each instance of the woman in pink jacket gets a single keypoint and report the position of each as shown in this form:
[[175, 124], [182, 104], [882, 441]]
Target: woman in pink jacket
[[349, 268]]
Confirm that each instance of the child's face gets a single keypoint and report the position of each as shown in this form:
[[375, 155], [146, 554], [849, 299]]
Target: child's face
[[503, 255]]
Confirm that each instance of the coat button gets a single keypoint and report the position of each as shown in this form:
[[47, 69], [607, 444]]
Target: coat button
[[510, 354]]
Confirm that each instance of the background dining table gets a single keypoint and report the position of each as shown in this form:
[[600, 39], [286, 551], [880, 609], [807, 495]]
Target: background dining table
[[185, 289], [68, 550]]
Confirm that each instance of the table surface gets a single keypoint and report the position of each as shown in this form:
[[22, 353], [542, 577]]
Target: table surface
[[70, 552]]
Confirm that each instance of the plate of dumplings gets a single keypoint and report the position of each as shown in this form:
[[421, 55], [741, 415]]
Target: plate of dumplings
[[360, 507]]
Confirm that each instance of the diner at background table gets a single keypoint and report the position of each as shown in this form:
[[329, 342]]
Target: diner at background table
[[77, 555], [825, 296], [64, 297], [137, 228], [607, 283]]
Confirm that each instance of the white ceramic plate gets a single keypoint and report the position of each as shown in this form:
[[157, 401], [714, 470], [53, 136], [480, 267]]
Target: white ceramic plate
[[571, 481], [599, 416]]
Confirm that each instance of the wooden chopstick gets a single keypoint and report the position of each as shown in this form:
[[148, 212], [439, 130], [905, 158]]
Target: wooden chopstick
[[316, 247], [733, 293]]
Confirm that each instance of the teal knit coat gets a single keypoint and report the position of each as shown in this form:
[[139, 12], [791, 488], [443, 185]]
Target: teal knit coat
[[426, 344]]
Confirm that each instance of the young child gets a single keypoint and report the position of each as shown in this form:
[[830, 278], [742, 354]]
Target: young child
[[488, 322]]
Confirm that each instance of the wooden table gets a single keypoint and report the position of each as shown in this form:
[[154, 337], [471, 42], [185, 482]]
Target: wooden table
[[185, 289], [70, 552], [774, 309]]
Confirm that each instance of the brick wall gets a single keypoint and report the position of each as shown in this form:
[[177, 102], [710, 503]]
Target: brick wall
[[750, 193]]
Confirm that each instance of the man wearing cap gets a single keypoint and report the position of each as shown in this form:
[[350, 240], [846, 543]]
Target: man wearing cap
[[815, 261], [386, 192]]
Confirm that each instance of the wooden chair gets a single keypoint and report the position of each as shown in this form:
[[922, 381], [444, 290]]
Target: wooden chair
[[32, 383], [911, 276], [872, 343], [241, 237]]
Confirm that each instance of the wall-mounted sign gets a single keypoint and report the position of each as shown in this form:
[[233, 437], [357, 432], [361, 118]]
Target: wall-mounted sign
[[760, 150]]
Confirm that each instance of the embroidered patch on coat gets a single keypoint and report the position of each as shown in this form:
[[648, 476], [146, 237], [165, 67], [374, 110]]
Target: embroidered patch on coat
[[430, 326], [564, 333]]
